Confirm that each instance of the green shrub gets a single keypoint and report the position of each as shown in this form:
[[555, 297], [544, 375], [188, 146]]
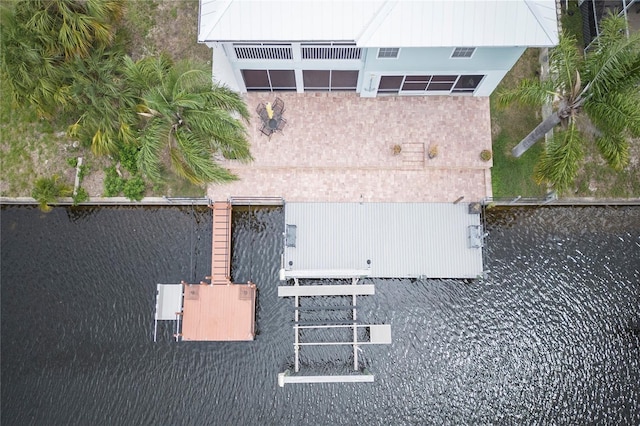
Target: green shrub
[[81, 196], [113, 184], [485, 155], [128, 154], [134, 188], [47, 191], [72, 162], [84, 171]]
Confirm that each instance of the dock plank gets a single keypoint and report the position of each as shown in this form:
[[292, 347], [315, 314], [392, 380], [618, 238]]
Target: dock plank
[[221, 243]]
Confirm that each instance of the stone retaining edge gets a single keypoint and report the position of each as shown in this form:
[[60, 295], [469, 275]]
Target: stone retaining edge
[[114, 201], [178, 201]]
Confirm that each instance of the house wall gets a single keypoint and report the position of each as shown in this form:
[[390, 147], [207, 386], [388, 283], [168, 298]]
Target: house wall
[[222, 69], [493, 62]]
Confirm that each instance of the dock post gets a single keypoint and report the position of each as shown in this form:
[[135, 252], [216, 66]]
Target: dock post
[[296, 348]]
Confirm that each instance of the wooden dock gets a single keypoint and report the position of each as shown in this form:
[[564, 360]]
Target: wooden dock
[[220, 310], [221, 244]]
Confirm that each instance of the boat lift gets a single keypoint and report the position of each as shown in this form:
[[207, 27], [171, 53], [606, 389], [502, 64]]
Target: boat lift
[[378, 333]]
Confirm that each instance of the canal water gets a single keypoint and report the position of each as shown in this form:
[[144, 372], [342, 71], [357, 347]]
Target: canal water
[[551, 336]]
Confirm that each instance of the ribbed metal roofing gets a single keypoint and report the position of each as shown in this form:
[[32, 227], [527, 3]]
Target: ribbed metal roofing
[[401, 240], [376, 23]]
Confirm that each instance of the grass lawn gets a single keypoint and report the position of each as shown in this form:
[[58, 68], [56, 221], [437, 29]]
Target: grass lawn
[[513, 176], [571, 21], [30, 148]]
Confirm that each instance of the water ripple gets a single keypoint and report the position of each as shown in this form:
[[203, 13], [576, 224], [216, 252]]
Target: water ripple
[[551, 336]]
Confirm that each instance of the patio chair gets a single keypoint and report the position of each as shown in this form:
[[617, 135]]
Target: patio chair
[[266, 130], [278, 107], [261, 109], [281, 124]]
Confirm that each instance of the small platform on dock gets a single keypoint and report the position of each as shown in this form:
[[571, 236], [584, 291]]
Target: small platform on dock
[[218, 312]]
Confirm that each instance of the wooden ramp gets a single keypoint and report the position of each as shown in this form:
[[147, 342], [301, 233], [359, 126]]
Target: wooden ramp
[[221, 243]]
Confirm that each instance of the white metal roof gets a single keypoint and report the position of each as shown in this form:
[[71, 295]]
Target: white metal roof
[[390, 23], [168, 301], [401, 240]]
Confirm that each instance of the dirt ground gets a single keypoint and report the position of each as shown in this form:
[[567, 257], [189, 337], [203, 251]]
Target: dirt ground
[[169, 26]]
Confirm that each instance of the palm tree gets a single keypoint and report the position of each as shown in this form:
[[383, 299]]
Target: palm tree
[[47, 191], [99, 95], [186, 121], [603, 85], [39, 36]]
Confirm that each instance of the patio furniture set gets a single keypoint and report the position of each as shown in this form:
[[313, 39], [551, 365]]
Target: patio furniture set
[[271, 117]]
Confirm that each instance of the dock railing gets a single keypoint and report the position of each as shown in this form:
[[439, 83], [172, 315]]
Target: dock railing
[[256, 201], [553, 199]]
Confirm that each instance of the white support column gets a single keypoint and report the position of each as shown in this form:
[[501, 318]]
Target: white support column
[[296, 53], [355, 335], [296, 348]]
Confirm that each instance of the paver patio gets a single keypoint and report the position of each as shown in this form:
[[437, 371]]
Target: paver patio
[[338, 147]]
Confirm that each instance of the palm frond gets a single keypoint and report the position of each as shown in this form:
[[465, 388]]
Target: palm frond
[[616, 113], [614, 149], [193, 162], [106, 10], [188, 100], [192, 80], [153, 142], [183, 99], [565, 62], [528, 92], [558, 164], [222, 133], [226, 99], [147, 73], [104, 141], [614, 63]]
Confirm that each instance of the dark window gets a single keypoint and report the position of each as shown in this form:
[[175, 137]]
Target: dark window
[[283, 79], [269, 79], [316, 80], [390, 83], [467, 83], [256, 79], [416, 82], [344, 80], [442, 82], [330, 80]]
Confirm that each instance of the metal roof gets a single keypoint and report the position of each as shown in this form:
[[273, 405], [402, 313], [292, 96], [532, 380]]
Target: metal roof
[[401, 240], [390, 23]]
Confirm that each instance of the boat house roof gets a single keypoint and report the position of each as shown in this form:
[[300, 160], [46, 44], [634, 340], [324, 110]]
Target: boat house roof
[[387, 240]]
